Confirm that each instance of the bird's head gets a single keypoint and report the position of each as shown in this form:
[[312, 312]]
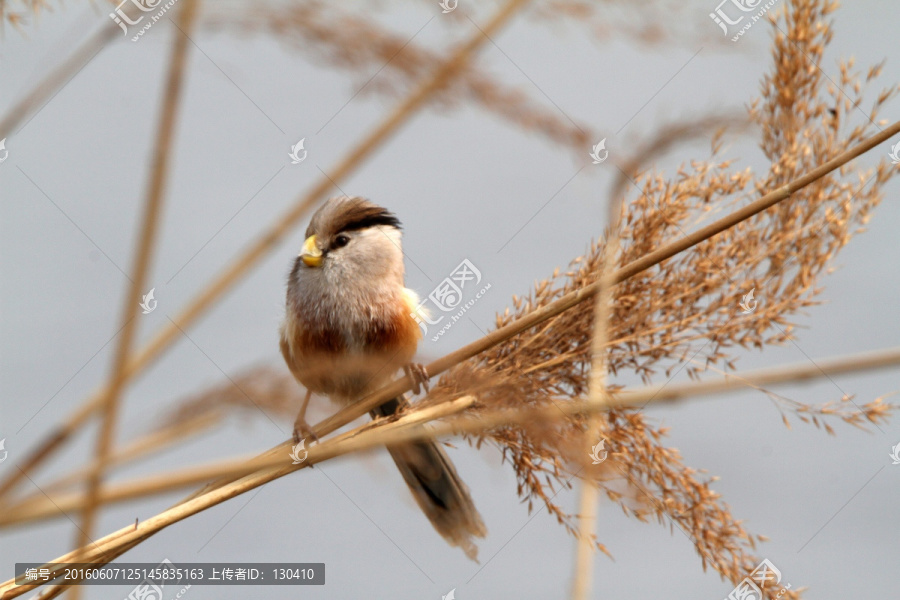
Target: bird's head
[[351, 240]]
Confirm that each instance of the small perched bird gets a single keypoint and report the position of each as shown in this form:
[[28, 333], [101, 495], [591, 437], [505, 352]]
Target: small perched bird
[[349, 327]]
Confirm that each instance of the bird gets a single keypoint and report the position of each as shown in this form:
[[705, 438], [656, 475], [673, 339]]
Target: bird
[[349, 327]]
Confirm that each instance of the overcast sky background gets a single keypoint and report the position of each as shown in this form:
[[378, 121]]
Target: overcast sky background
[[463, 183]]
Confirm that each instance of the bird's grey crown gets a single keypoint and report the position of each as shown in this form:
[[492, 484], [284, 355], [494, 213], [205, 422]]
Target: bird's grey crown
[[349, 213]]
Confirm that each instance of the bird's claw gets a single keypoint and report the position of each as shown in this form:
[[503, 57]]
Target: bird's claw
[[419, 376], [303, 430]]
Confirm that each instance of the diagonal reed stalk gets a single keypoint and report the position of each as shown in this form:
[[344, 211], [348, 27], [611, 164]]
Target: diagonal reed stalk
[[110, 546], [44, 91], [153, 442], [268, 240], [159, 177], [40, 507], [116, 544]]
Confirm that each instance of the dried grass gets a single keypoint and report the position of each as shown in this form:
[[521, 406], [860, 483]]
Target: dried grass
[[673, 291], [687, 307]]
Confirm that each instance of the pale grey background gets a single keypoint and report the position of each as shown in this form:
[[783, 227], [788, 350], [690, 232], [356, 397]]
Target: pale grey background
[[462, 182]]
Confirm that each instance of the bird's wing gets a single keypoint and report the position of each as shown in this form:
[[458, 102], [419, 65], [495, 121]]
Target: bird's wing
[[288, 356]]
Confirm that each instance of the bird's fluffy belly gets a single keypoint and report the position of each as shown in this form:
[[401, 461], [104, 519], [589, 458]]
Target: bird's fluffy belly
[[345, 367]]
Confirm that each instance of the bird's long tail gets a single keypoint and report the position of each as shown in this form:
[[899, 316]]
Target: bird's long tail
[[436, 486]]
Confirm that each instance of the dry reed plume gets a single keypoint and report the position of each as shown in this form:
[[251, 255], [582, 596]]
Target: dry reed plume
[[525, 386], [687, 307]]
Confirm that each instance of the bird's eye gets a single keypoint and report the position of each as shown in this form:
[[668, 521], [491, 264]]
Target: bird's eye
[[341, 241]]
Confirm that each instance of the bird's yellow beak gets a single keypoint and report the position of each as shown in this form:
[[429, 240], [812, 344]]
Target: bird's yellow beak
[[311, 255]]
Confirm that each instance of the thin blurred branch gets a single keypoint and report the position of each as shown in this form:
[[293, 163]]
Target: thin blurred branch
[[34, 100], [156, 191], [153, 442], [598, 397], [345, 40]]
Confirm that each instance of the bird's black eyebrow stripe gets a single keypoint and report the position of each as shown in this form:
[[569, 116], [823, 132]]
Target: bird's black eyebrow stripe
[[372, 220]]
